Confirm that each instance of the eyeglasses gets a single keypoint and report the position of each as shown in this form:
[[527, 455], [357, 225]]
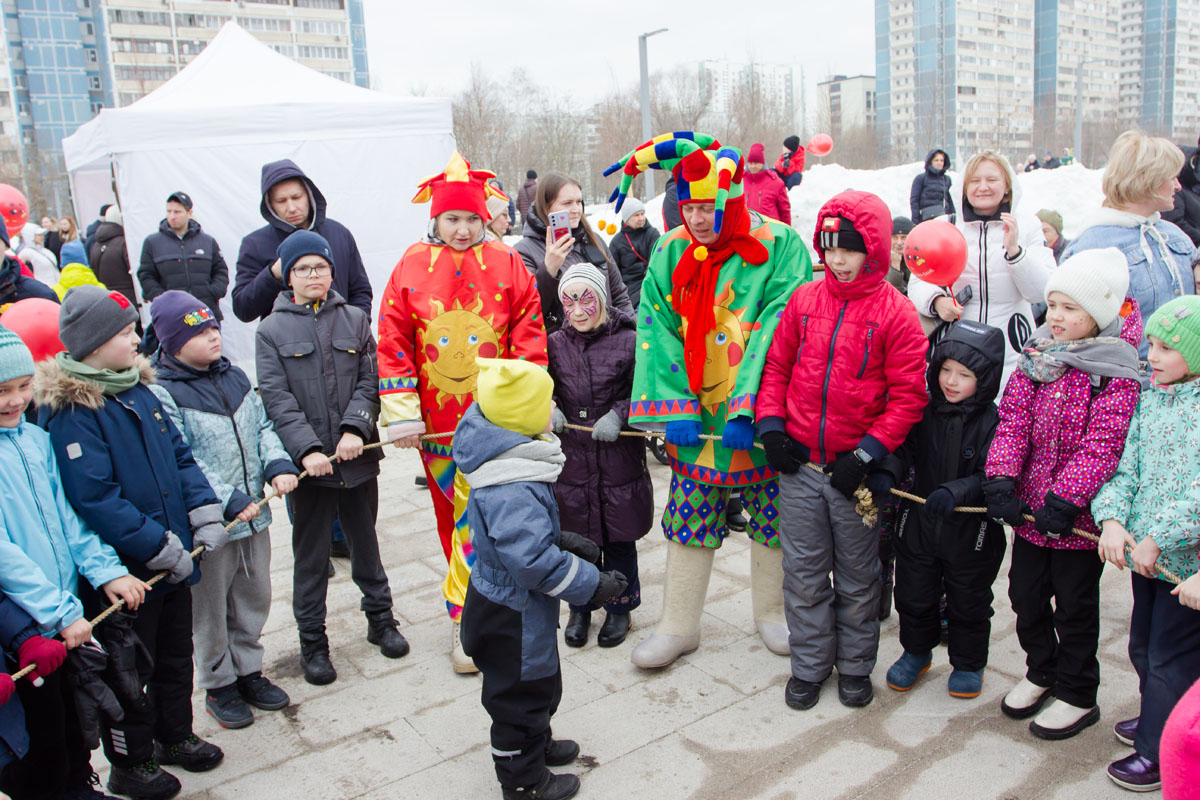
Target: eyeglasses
[[308, 272]]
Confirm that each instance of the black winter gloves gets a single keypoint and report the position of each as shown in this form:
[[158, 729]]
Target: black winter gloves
[[784, 454], [846, 473], [881, 484], [85, 664], [579, 545], [1003, 505], [940, 502], [1055, 519], [611, 586]]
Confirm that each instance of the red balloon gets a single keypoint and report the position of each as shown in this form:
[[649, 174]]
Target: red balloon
[[35, 320], [936, 252], [820, 144], [14, 208]]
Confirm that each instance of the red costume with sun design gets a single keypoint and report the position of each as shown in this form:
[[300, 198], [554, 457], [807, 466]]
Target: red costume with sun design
[[441, 308]]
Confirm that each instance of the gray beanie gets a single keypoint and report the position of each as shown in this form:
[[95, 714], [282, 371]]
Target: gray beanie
[[630, 207], [587, 274], [90, 316]]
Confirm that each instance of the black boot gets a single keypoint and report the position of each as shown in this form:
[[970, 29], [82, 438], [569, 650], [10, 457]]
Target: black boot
[[576, 632], [614, 630], [550, 787], [314, 657], [735, 520], [382, 631], [560, 752], [146, 781], [193, 754]]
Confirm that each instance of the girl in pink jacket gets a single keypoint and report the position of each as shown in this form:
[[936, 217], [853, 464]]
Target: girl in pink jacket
[[1063, 420]]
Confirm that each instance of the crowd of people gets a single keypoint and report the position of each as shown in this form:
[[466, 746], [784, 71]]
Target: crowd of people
[[1053, 381]]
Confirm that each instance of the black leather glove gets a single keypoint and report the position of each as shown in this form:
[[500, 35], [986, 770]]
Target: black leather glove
[[1003, 505], [784, 454], [93, 697], [581, 546], [881, 484], [940, 502], [611, 586], [129, 660], [1057, 517], [846, 473]]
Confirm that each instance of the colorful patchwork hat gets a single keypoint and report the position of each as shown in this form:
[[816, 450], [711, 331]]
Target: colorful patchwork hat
[[459, 188]]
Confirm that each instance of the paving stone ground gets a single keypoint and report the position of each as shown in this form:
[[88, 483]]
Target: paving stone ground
[[713, 725]]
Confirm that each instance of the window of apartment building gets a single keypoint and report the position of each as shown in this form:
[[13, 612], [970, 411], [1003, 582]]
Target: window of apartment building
[[91, 54], [327, 27], [321, 51], [201, 20], [284, 49], [23, 108], [139, 17], [126, 73], [130, 97], [96, 106], [341, 76], [89, 29], [94, 82], [336, 5], [20, 81], [271, 2], [85, 3], [265, 24], [190, 47], [157, 46]]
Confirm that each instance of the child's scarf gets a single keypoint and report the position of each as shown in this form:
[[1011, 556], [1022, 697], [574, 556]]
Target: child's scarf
[[111, 382], [1045, 360]]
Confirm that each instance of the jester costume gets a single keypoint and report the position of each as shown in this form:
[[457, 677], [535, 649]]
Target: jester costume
[[707, 315], [443, 307]]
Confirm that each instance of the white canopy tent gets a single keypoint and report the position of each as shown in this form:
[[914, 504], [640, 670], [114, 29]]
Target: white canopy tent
[[240, 105]]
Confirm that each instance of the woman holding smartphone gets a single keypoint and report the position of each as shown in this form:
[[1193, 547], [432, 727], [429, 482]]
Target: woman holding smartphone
[[548, 257]]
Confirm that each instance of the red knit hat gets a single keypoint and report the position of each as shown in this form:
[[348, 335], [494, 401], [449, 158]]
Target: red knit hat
[[757, 154], [459, 188]]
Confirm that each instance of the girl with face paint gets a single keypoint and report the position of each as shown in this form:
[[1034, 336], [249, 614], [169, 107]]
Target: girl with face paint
[[604, 491]]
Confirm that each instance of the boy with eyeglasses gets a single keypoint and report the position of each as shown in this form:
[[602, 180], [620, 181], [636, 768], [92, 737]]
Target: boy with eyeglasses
[[318, 377]]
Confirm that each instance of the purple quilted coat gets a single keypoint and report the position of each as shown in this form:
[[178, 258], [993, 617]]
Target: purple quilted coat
[[604, 490], [1056, 437]]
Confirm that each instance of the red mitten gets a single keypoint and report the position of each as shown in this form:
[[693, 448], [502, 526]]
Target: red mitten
[[7, 687], [47, 654]]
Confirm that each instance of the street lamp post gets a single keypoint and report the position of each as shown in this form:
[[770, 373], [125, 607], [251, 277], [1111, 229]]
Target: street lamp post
[[646, 134], [1079, 105]]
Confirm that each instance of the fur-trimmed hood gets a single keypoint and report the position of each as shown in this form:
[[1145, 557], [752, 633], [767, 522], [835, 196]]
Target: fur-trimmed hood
[[56, 388]]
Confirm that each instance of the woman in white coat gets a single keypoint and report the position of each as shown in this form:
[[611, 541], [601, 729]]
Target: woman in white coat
[[1008, 262]]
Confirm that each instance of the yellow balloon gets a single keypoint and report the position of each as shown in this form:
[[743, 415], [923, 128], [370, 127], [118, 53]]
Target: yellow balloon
[[611, 229]]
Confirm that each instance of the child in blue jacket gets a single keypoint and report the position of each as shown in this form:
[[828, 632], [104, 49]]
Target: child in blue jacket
[[132, 478], [523, 567]]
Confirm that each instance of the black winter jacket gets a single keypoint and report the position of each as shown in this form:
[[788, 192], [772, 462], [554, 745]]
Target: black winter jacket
[[110, 262], [255, 287], [672, 219], [1186, 213], [631, 248], [191, 263], [318, 378], [931, 190]]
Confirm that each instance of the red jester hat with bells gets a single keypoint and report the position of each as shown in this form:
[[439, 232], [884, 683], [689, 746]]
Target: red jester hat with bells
[[459, 188], [705, 172]]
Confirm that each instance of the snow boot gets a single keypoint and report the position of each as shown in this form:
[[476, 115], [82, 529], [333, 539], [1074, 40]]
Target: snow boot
[[735, 519], [461, 662], [678, 631], [965, 683], [193, 754], [576, 632], [1135, 773], [145, 781], [1025, 699], [560, 752], [382, 630], [550, 787], [1126, 730], [614, 630], [766, 597], [314, 657], [1061, 720], [902, 675]]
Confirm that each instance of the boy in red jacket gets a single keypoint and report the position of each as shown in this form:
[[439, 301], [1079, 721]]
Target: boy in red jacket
[[842, 385]]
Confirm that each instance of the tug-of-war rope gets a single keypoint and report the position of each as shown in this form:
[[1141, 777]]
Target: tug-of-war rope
[[865, 508]]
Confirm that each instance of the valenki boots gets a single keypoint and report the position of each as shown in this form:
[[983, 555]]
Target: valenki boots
[[766, 595], [678, 631], [461, 662]]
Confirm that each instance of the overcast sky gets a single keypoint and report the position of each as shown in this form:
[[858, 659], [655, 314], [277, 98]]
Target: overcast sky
[[586, 49]]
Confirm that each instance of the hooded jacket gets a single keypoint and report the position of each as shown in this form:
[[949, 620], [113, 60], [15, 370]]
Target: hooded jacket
[[949, 446], [225, 424], [515, 532], [846, 366], [766, 193], [14, 284], [632, 248], [191, 263], [532, 249], [41, 260], [125, 467], [73, 275], [318, 379], [44, 545], [931, 190], [604, 491], [110, 262], [1065, 437], [255, 287], [1003, 291]]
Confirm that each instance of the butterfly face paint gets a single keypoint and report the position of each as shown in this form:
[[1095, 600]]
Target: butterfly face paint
[[581, 307]]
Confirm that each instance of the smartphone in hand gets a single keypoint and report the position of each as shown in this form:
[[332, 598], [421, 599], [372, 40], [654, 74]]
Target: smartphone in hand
[[560, 224]]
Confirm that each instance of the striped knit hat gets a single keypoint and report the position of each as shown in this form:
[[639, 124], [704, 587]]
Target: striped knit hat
[[15, 358]]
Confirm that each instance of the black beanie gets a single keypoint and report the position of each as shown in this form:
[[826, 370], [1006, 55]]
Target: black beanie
[[530, 175], [792, 143], [840, 232], [902, 225]]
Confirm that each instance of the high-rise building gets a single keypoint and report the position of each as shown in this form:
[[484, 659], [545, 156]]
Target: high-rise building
[[954, 75], [847, 104], [724, 80], [64, 60], [1160, 67]]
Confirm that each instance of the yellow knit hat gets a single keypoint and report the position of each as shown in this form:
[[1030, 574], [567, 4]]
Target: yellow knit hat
[[514, 394]]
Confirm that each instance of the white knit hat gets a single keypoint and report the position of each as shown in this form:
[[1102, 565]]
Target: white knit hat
[[586, 274], [1095, 279], [630, 207]]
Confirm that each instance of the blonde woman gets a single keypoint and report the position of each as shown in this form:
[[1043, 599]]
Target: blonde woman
[[1139, 184]]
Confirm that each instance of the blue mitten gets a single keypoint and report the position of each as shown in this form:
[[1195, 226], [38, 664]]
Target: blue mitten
[[683, 432], [738, 434]]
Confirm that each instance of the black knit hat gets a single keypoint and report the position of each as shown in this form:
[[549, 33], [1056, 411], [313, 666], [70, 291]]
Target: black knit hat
[[792, 143], [902, 226], [840, 232]]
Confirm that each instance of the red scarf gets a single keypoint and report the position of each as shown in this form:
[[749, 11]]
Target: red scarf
[[695, 282]]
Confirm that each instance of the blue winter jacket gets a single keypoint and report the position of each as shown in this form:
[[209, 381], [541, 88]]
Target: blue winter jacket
[[125, 467], [15, 627], [223, 421], [44, 545], [255, 287], [515, 532]]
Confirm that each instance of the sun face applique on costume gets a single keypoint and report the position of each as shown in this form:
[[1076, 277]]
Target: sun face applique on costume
[[451, 340]]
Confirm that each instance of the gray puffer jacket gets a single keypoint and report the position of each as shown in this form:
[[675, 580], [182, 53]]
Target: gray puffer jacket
[[319, 379]]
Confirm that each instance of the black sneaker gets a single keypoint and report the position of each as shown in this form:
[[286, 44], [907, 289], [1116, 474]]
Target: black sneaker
[[735, 520], [560, 752], [88, 791], [339, 549], [227, 707], [550, 787], [261, 693], [146, 781], [801, 695], [855, 690], [193, 754], [421, 480]]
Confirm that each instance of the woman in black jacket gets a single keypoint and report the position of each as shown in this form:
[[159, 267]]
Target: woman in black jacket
[[632, 247], [930, 195]]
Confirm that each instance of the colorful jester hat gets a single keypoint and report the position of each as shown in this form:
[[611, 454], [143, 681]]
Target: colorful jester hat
[[459, 188]]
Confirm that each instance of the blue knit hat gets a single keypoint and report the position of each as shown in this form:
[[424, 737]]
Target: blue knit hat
[[300, 244], [73, 253], [15, 358], [178, 316]]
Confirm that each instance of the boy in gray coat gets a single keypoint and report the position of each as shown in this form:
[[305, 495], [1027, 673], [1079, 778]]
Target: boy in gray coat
[[524, 565], [318, 377]]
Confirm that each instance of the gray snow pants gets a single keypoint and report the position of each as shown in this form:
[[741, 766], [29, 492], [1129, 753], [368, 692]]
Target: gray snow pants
[[229, 609], [828, 624]]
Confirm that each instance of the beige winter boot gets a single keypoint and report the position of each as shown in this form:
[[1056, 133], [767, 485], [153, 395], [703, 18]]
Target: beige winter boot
[[462, 662], [678, 631], [766, 596]]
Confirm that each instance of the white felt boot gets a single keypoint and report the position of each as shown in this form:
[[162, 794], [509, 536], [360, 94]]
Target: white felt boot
[[766, 596], [462, 662], [1024, 700], [678, 631], [1061, 720]]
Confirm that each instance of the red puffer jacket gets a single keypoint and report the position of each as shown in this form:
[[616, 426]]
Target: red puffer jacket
[[766, 194], [847, 364]]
